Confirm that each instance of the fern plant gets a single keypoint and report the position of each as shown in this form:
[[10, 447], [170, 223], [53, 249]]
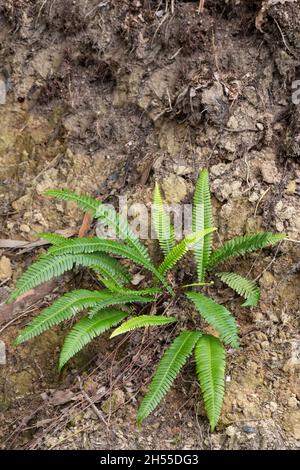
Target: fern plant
[[117, 302]]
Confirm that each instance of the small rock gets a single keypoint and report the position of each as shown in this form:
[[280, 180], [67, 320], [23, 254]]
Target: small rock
[[5, 268], [230, 431], [260, 126], [269, 172], [114, 402], [249, 429], [181, 169], [293, 402], [175, 188], [2, 353], [24, 228], [273, 406], [291, 187], [21, 203]]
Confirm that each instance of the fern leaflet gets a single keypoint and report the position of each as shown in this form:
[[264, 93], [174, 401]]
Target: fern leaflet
[[170, 365], [244, 287], [53, 238], [180, 250], [48, 267], [87, 329], [217, 316], [105, 214], [210, 369], [245, 244], [161, 219], [91, 245], [142, 321], [62, 309], [202, 219]]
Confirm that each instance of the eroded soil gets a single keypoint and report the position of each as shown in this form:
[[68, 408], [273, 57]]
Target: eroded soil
[[105, 98]]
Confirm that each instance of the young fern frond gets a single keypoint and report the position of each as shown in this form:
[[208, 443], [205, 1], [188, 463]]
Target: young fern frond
[[210, 369], [91, 245], [217, 316], [62, 309], [245, 244], [202, 219], [49, 266], [244, 287], [161, 219], [181, 249], [105, 214], [170, 365], [141, 322], [86, 329]]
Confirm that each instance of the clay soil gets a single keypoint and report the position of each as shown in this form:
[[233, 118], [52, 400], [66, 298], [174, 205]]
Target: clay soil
[[105, 98]]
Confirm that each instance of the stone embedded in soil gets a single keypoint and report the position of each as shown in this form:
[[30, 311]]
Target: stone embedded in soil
[[2, 353], [270, 173], [114, 402], [175, 188], [5, 268]]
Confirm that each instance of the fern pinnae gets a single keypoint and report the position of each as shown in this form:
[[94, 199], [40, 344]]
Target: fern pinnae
[[142, 321], [181, 249], [170, 365], [105, 214], [95, 244], [109, 298], [202, 219], [244, 287], [86, 329], [217, 316], [53, 238], [161, 219], [44, 269], [210, 369], [60, 310], [245, 244]]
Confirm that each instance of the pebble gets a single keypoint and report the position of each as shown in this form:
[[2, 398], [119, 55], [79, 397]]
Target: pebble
[[24, 228], [249, 429], [5, 268]]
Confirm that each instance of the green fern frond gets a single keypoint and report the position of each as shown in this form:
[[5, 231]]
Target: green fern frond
[[202, 219], [62, 309], [53, 238], [84, 202], [244, 287], [217, 316], [86, 330], [109, 298], [105, 214], [141, 322], [48, 267], [106, 266], [180, 250], [245, 244], [91, 245], [72, 303], [161, 219], [170, 365], [210, 369]]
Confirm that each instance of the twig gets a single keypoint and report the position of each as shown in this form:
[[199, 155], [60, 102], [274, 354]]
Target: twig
[[94, 407], [201, 6], [260, 199]]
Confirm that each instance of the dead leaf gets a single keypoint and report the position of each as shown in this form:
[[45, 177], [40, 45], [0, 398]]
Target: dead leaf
[[61, 397]]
